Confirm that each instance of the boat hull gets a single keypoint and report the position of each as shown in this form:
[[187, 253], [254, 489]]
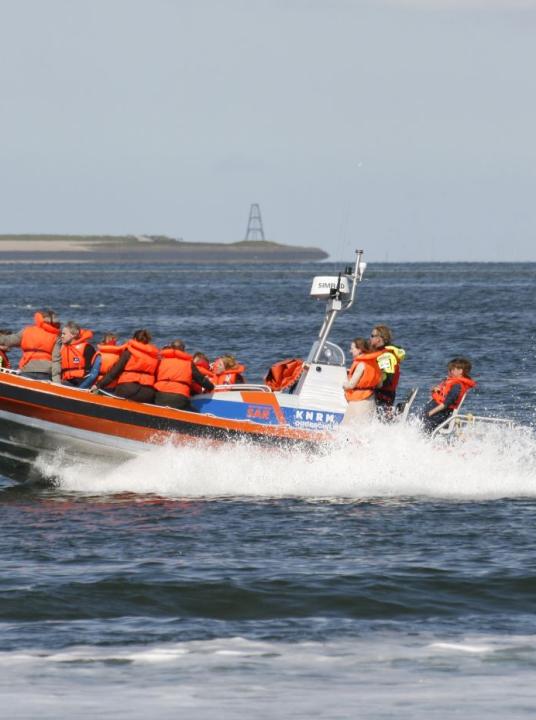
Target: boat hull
[[38, 416]]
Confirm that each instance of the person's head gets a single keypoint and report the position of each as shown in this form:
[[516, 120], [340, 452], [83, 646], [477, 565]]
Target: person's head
[[109, 339], [201, 359], [70, 332], [176, 344], [142, 336], [359, 346], [50, 317], [223, 363], [459, 367], [380, 336], [229, 361]]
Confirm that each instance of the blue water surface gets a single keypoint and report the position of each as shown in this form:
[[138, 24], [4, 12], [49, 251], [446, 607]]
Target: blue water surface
[[389, 578]]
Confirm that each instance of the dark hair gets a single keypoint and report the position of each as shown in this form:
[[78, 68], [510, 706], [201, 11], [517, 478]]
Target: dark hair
[[361, 344], [50, 317], [109, 338], [177, 344], [200, 356], [463, 363], [143, 336]]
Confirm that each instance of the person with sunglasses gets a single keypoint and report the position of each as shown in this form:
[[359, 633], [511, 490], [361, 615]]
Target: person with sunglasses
[[389, 363]]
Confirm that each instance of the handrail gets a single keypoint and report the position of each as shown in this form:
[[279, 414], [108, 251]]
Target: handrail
[[468, 420], [447, 426], [243, 386]]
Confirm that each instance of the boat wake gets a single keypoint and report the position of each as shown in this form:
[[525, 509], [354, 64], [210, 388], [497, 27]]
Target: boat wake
[[382, 462]]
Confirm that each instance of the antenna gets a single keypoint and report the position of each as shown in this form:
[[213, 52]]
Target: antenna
[[255, 230]]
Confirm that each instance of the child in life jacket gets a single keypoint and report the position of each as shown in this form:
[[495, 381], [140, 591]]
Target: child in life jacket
[[202, 363], [448, 394], [227, 371], [364, 376], [109, 352]]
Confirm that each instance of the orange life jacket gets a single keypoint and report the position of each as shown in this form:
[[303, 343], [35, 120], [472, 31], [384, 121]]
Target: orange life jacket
[[174, 374], [204, 369], [73, 363], [368, 381], [37, 341], [284, 373], [228, 377], [4, 360], [141, 365], [440, 394], [109, 356]]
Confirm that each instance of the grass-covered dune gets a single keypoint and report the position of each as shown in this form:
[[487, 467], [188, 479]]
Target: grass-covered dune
[[108, 248]]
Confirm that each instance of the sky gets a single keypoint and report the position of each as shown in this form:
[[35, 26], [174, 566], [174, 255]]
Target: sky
[[404, 127]]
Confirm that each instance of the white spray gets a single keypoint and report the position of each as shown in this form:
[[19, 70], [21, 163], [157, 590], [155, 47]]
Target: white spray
[[381, 461]]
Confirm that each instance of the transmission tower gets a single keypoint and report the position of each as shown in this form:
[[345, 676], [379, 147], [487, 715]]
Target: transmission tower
[[255, 230]]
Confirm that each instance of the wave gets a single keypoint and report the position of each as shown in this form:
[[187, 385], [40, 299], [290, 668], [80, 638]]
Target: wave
[[361, 650], [269, 594]]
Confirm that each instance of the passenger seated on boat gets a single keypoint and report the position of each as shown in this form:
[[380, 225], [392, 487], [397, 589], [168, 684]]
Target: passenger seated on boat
[[79, 362], [135, 369], [389, 362], [4, 360], [41, 347], [175, 376], [448, 394], [227, 371], [109, 352], [202, 363], [364, 376]]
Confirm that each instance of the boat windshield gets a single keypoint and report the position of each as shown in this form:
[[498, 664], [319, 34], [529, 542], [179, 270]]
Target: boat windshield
[[331, 354]]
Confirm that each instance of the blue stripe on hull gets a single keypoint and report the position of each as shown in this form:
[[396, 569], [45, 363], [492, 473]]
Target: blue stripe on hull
[[302, 418]]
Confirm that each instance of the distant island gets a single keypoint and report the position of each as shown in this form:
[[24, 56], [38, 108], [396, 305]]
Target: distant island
[[147, 248]]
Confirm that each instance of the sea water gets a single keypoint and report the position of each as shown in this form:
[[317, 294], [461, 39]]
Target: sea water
[[386, 576]]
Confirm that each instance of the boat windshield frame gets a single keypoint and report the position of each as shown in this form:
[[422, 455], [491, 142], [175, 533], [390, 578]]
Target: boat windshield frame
[[331, 354]]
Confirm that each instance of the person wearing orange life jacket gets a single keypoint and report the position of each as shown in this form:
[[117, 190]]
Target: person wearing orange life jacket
[[79, 363], [227, 371], [4, 360], [175, 376], [41, 347], [364, 376], [389, 361], [135, 369], [109, 352], [447, 396], [202, 363]]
